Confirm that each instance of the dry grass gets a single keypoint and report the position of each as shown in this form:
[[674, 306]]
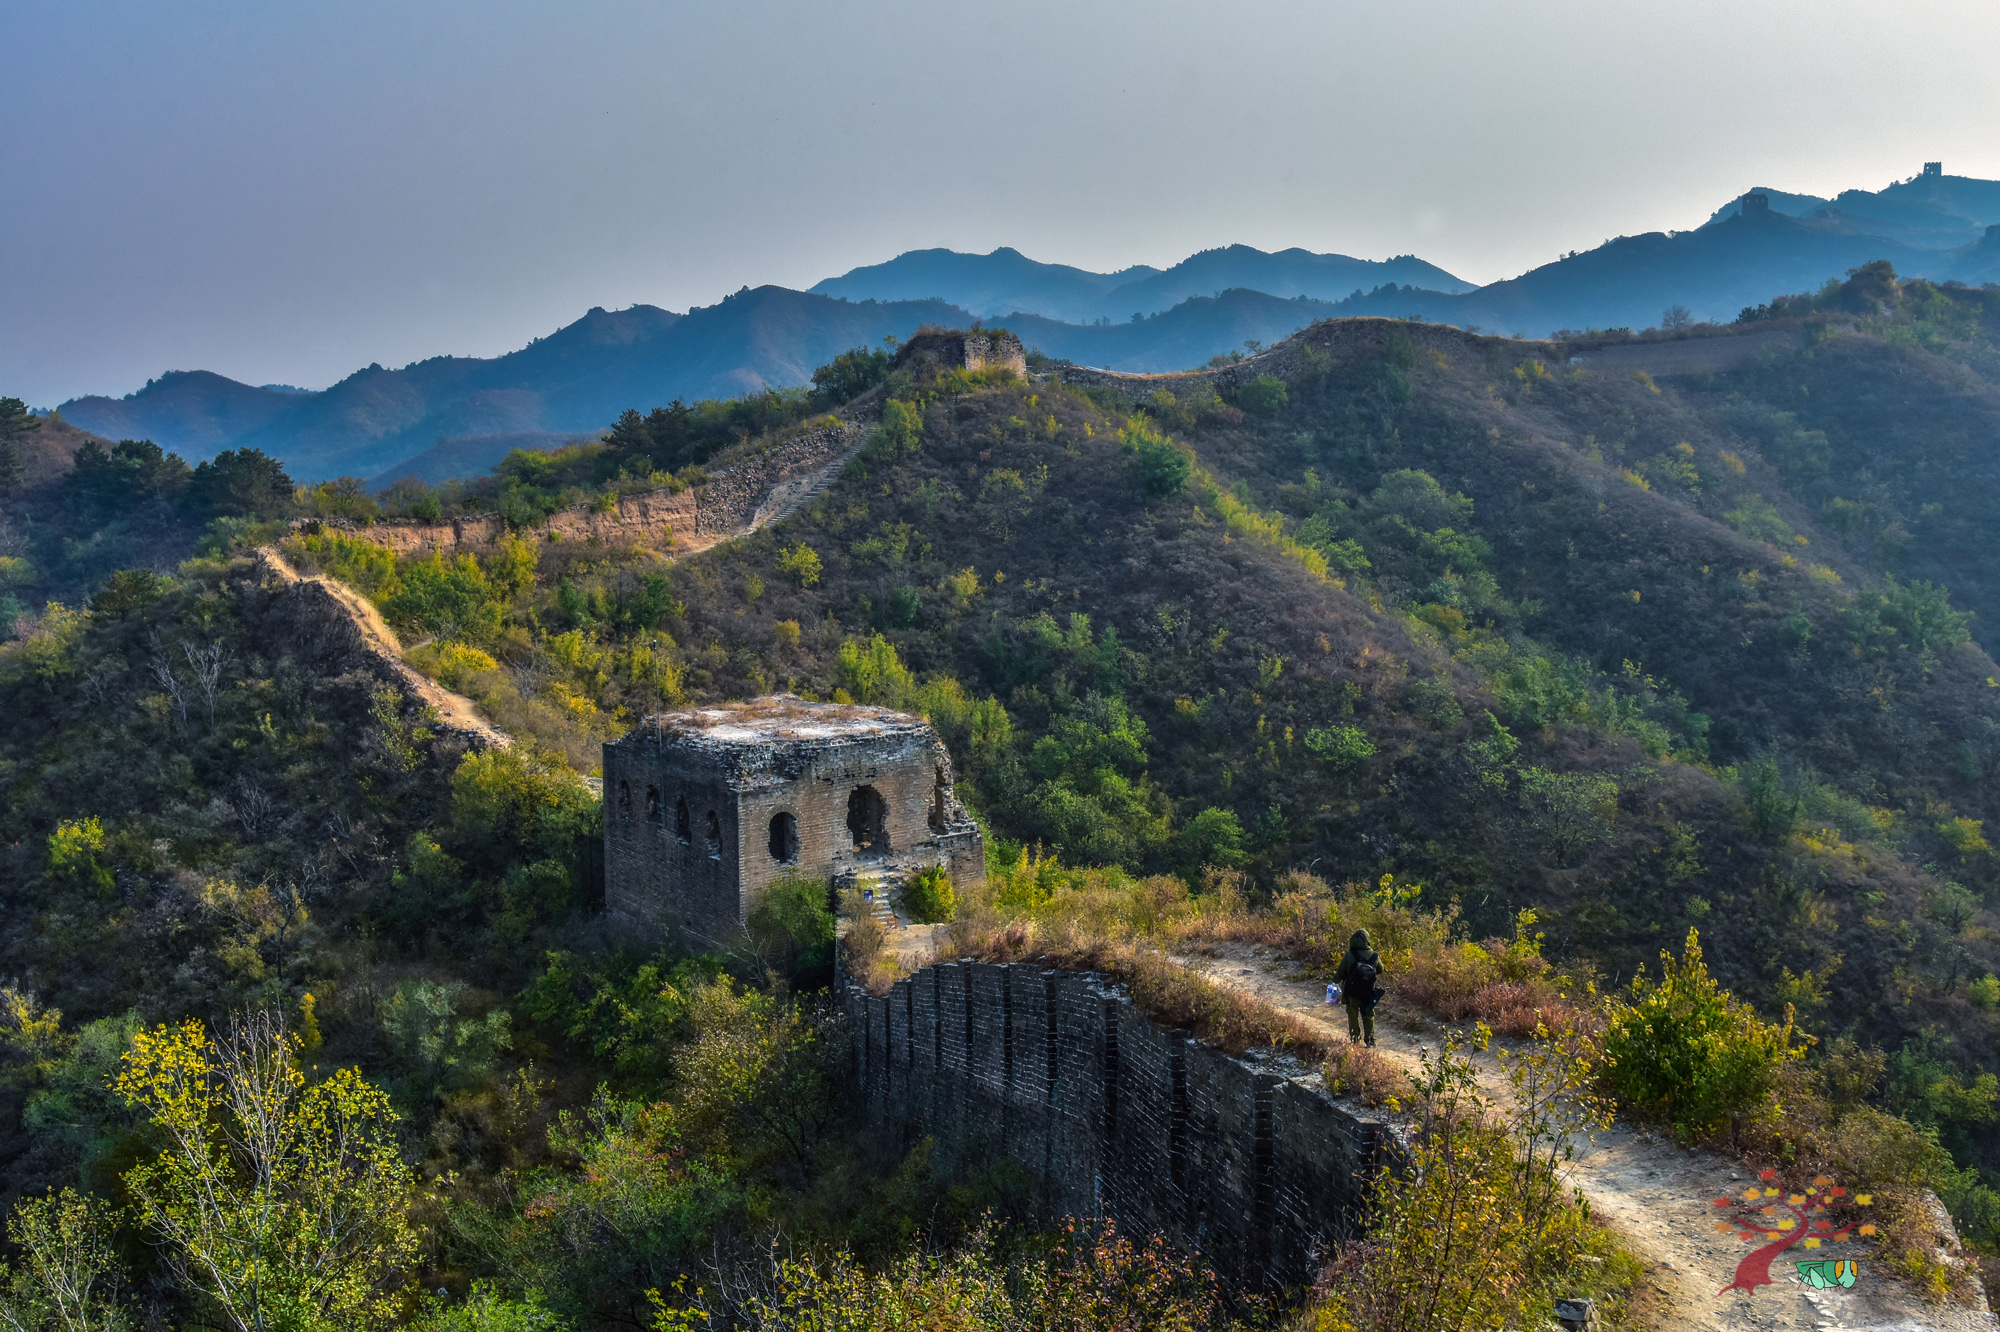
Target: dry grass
[[1164, 990], [1504, 983], [1510, 990], [864, 949], [1363, 1072]]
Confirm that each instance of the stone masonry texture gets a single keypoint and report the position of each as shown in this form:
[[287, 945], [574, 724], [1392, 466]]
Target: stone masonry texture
[[1249, 1160], [705, 808]]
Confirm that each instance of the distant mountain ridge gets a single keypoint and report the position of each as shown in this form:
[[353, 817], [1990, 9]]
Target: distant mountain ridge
[[1715, 271], [1930, 210], [570, 384], [1007, 282], [455, 416]]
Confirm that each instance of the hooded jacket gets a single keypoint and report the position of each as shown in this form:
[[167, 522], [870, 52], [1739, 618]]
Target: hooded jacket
[[1359, 949]]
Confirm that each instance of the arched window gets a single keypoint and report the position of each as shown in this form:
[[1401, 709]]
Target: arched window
[[868, 820], [624, 802], [682, 828], [784, 839], [653, 804], [937, 802], [714, 836]]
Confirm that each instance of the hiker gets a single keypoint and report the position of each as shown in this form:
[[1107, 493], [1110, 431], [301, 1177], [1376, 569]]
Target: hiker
[[1360, 974]]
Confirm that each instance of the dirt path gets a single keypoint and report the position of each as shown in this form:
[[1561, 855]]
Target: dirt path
[[1653, 1193], [373, 639]]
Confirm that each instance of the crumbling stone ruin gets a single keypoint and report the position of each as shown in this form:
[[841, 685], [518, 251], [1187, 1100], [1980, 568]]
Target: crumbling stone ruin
[[705, 808], [932, 349]]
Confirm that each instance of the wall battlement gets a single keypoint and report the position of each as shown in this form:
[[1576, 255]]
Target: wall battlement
[[1248, 1159]]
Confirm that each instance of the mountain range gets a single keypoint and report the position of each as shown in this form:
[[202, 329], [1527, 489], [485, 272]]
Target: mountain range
[[1007, 282], [455, 416]]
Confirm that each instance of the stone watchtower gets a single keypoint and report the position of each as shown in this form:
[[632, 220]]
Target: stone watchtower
[[705, 808]]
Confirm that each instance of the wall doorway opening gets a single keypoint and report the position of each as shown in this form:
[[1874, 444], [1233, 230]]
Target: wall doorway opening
[[784, 839], [868, 820]]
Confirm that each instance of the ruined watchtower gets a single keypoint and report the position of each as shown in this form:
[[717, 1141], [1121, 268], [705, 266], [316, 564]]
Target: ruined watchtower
[[705, 808], [931, 349]]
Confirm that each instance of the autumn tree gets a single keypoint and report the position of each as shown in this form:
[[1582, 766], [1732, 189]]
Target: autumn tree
[[279, 1199], [68, 1275]]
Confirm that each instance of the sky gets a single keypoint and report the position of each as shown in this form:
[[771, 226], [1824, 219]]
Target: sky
[[285, 192]]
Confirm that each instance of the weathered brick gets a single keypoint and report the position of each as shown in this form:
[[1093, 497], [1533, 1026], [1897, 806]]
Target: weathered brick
[[1248, 1159], [694, 802]]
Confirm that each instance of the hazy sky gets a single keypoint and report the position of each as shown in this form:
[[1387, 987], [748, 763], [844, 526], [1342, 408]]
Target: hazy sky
[[288, 191]]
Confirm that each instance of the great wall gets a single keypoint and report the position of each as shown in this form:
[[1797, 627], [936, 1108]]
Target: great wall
[[1248, 1159], [735, 500]]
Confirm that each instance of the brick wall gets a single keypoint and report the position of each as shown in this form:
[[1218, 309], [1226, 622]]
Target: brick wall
[[653, 877], [1249, 1160], [650, 873]]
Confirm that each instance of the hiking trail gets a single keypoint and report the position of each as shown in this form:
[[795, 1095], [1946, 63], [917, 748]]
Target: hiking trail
[[1654, 1194]]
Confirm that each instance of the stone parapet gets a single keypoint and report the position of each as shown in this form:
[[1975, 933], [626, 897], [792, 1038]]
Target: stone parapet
[[1248, 1159]]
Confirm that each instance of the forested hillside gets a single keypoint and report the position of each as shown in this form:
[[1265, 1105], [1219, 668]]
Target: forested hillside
[[1445, 607], [1468, 625]]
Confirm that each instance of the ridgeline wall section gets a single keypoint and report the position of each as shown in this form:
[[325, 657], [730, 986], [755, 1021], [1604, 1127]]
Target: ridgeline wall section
[[1248, 1159], [737, 499]]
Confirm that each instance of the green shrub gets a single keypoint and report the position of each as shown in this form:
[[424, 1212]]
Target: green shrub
[[1164, 466], [1873, 1150], [929, 898], [446, 597], [519, 798], [1266, 395], [76, 850], [484, 1309], [1340, 747], [902, 429], [801, 562], [1570, 811], [1965, 836], [1212, 837], [792, 924], [124, 592], [849, 375], [1754, 517], [1686, 1053]]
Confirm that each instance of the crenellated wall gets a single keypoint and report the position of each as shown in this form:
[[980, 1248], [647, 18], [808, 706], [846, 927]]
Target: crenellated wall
[[1248, 1159]]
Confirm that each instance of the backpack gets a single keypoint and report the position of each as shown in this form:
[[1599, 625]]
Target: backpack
[[1361, 983]]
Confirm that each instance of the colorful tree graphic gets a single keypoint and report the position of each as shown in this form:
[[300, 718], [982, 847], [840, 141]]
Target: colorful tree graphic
[[1823, 1212]]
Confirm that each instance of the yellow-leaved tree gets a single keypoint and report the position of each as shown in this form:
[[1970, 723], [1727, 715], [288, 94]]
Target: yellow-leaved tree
[[280, 1200], [69, 1276]]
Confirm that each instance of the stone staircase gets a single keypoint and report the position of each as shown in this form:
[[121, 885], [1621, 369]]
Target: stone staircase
[[883, 884]]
